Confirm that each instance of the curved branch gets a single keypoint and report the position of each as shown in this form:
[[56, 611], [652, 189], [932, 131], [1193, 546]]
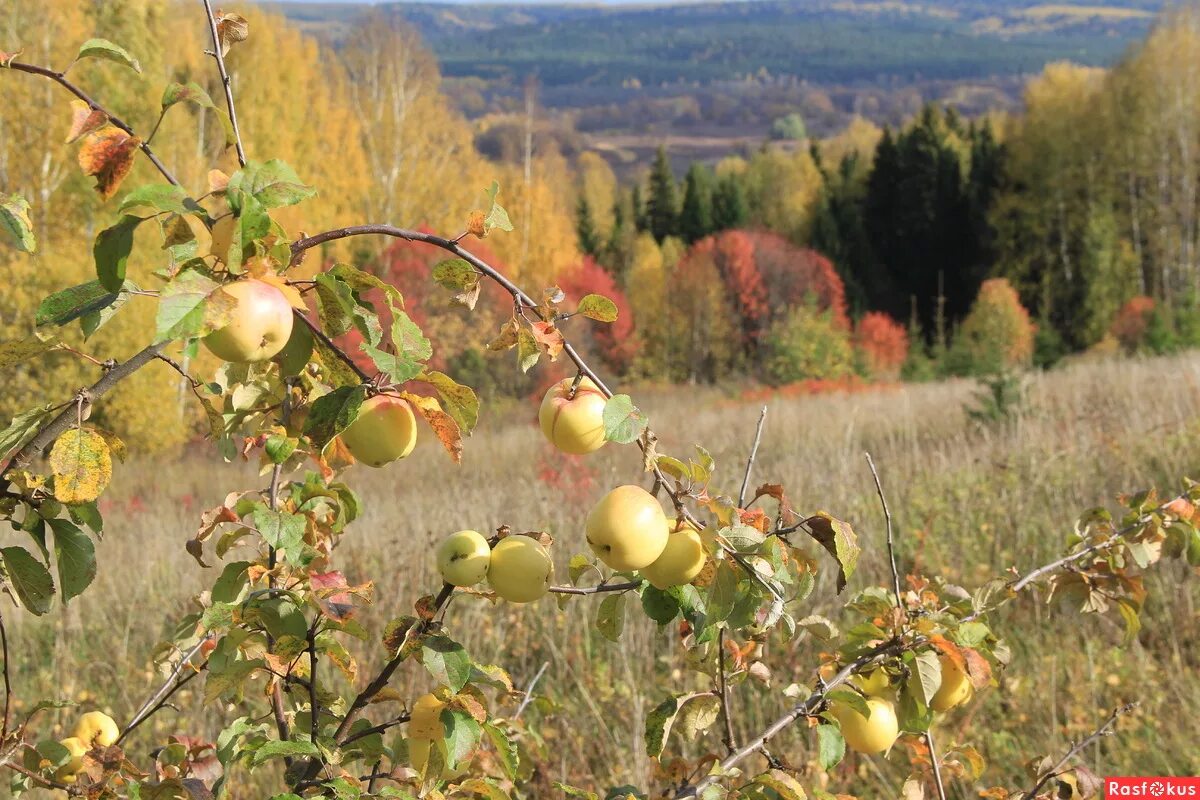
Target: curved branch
[[64, 82], [601, 589], [1078, 747]]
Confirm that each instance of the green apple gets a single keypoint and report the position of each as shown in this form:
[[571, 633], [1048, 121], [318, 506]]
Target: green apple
[[874, 684], [259, 326], [681, 560], [520, 569], [956, 687], [67, 772], [463, 558], [627, 529], [384, 431], [868, 734], [574, 425], [96, 728]]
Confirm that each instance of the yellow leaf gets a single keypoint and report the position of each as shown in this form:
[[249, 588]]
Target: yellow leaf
[[444, 426], [82, 466]]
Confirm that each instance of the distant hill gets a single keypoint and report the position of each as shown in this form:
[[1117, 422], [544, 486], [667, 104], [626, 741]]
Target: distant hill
[[824, 41]]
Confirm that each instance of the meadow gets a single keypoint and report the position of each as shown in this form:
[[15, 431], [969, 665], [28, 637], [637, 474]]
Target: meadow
[[970, 501]]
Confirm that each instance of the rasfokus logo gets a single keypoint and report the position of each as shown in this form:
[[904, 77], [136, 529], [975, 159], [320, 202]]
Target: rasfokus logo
[[1135, 788]]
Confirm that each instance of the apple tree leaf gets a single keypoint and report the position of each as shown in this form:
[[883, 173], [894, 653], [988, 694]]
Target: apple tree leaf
[[75, 555], [104, 49], [29, 578], [14, 221], [81, 464], [598, 307], [623, 421]]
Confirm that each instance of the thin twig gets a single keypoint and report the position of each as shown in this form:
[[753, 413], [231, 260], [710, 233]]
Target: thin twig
[[722, 687], [762, 418], [220, 59], [937, 767], [277, 704], [528, 698], [891, 546], [168, 688], [7, 683], [600, 589], [1080, 746], [62, 81]]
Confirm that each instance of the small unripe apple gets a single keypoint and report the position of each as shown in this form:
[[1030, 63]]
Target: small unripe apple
[[259, 325], [870, 734], [96, 728], [627, 529], [385, 430], [67, 772], [520, 569], [956, 687], [463, 558], [574, 425], [681, 560]]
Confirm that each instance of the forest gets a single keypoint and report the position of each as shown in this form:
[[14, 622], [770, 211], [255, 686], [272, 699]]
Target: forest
[[945, 246]]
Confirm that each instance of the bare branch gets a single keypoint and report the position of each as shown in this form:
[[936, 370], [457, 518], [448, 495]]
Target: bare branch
[[722, 687], [528, 698], [891, 547], [1104, 730], [172, 684], [933, 757], [762, 418], [7, 682], [220, 59], [599, 589]]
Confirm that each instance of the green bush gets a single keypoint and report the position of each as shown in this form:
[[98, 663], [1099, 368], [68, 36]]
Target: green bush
[[807, 344]]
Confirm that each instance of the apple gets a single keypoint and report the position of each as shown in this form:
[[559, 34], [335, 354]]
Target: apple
[[259, 326], [681, 560], [627, 529], [463, 558], [574, 425], [384, 431], [871, 734], [96, 728], [67, 772], [875, 684], [520, 569], [956, 687]]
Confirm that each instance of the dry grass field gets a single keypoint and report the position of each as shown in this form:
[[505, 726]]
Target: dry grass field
[[969, 502]]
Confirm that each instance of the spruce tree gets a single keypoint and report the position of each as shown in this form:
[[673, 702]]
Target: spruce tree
[[695, 218], [729, 208], [662, 206], [640, 222], [585, 227]]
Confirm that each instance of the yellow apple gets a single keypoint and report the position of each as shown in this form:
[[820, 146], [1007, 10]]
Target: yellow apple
[[385, 430], [872, 734], [956, 686], [520, 569], [574, 425], [96, 728], [681, 560], [627, 529], [463, 558], [875, 684], [67, 772], [259, 327]]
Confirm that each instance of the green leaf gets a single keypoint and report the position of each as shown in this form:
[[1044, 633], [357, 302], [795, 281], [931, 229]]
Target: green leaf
[[279, 529], [925, 676], [659, 605], [273, 184], [698, 714], [14, 221], [70, 304], [111, 251], [510, 758], [743, 538], [461, 735], [527, 349], [29, 578], [186, 93], [460, 401], [164, 197], [333, 413], [783, 784], [574, 791], [191, 305], [455, 274], [361, 281], [408, 338], [496, 216], [447, 661], [658, 726], [598, 307], [623, 421], [839, 539], [610, 616], [13, 353], [484, 788], [283, 749], [24, 426], [75, 555], [831, 747], [104, 49]]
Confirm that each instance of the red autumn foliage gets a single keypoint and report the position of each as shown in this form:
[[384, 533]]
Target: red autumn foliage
[[616, 343], [1129, 326], [883, 343], [850, 384]]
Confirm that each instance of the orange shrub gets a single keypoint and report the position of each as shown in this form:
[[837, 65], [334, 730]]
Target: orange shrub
[[882, 343], [997, 334], [1130, 325]]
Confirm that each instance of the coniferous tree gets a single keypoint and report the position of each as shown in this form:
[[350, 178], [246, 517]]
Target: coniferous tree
[[729, 207], [641, 222], [662, 206], [695, 217], [585, 227]]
